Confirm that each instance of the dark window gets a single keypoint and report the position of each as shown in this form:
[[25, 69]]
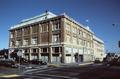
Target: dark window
[[56, 49], [34, 51], [25, 50], [45, 50]]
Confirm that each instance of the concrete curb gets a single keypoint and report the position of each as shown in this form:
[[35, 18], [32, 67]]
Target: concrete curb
[[70, 64]]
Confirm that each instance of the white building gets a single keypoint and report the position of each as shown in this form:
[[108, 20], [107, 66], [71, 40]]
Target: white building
[[99, 51]]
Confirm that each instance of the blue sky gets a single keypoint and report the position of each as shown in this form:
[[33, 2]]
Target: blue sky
[[100, 15]]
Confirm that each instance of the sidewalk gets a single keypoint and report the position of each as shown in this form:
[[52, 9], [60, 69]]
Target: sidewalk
[[69, 64]]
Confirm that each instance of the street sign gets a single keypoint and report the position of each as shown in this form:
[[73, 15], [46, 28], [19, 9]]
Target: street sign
[[119, 44]]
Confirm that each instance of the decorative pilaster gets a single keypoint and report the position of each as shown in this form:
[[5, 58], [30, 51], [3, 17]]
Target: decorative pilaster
[[63, 55], [39, 53], [50, 55], [30, 53]]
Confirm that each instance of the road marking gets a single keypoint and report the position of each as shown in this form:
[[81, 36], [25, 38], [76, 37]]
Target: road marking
[[31, 77], [30, 70], [47, 76], [55, 76], [9, 76], [42, 70]]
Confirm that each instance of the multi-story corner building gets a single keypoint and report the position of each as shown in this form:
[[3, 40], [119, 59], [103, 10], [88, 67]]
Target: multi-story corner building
[[52, 38], [99, 52]]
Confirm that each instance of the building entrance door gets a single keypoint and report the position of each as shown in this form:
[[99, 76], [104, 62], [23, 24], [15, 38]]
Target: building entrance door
[[78, 58]]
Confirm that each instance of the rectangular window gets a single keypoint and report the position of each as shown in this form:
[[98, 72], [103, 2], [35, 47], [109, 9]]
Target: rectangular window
[[26, 31], [19, 32], [84, 42], [74, 30], [84, 35], [67, 26], [44, 27], [80, 33], [25, 42], [56, 49], [74, 40], [34, 41], [11, 43], [35, 29], [55, 38], [12, 35], [35, 50], [80, 42], [26, 51], [56, 26], [68, 38], [18, 43], [44, 50]]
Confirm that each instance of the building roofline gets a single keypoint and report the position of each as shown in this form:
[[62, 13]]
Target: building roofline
[[81, 25], [27, 21], [98, 39], [37, 18]]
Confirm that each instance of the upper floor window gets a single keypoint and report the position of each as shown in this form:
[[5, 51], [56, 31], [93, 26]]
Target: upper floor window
[[55, 38], [84, 34], [74, 40], [19, 32], [35, 29], [25, 42], [18, 42], [67, 26], [34, 40], [80, 32], [74, 30], [26, 30], [12, 34], [80, 42], [56, 26], [56, 49], [12, 43], [44, 50], [68, 38], [44, 28], [35, 50]]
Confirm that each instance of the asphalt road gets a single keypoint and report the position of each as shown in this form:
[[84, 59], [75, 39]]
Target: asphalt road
[[74, 72]]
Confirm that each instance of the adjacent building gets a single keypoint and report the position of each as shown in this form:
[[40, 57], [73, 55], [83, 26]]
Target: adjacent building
[[53, 38], [99, 51]]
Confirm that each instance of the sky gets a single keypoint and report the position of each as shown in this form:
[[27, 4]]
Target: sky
[[102, 16]]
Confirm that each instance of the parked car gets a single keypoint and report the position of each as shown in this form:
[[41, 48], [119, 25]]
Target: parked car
[[37, 61], [23, 60], [113, 62], [8, 63], [97, 60]]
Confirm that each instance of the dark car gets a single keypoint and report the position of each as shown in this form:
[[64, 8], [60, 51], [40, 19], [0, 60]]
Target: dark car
[[22, 60], [37, 61], [113, 62], [8, 63], [97, 60]]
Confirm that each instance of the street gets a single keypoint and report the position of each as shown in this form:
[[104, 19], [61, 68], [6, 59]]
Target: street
[[95, 71]]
